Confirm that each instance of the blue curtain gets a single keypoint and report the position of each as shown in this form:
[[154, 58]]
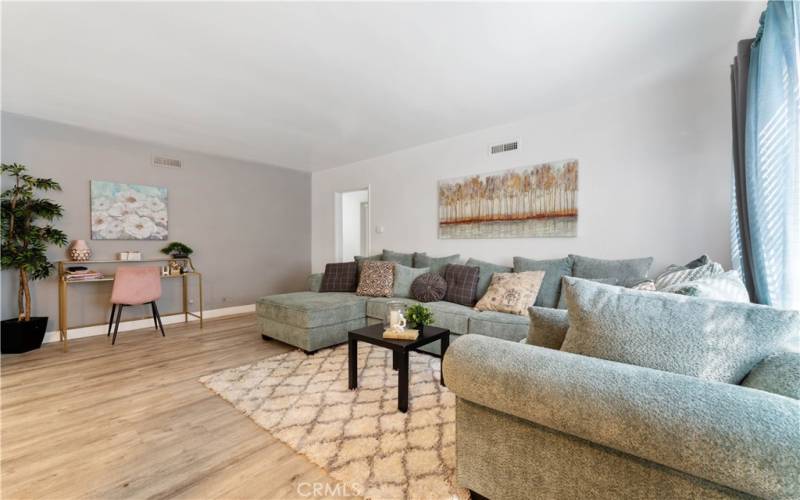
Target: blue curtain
[[767, 215]]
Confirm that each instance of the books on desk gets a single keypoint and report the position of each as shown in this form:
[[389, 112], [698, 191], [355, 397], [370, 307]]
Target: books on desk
[[83, 275]]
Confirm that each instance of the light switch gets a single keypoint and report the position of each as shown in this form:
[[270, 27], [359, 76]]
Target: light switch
[[379, 229]]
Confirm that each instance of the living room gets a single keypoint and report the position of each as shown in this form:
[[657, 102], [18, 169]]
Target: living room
[[400, 250]]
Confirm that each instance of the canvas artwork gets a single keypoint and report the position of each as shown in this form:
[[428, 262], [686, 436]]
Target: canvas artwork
[[128, 211], [535, 201]]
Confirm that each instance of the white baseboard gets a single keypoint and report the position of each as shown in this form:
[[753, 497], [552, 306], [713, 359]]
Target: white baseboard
[[124, 326]]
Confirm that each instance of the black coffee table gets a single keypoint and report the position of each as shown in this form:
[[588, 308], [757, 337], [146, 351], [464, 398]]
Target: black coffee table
[[400, 349]]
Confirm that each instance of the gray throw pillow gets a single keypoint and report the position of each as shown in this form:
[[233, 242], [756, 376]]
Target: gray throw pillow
[[487, 269], [430, 287], [778, 374], [436, 264], [553, 269], [624, 270], [418, 255], [708, 339], [562, 299], [404, 276], [548, 327], [404, 259], [361, 258]]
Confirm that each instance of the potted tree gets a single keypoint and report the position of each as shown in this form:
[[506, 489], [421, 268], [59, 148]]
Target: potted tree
[[177, 250], [24, 246]]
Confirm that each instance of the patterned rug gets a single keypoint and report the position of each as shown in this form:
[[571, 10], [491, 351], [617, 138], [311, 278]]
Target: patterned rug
[[359, 437]]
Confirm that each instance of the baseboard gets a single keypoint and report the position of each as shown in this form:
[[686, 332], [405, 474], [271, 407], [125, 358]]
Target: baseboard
[[124, 326]]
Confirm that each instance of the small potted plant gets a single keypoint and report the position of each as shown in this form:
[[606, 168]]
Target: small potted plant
[[24, 248], [177, 250], [419, 316]]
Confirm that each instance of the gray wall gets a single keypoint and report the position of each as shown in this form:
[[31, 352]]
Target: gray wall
[[248, 223]]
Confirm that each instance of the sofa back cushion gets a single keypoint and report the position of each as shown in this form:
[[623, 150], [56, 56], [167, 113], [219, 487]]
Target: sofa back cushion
[[778, 374], [404, 259], [340, 277], [562, 299], [511, 293], [708, 339], [404, 276], [462, 283], [376, 279], [487, 269], [435, 264], [554, 269], [624, 270], [548, 327], [430, 287]]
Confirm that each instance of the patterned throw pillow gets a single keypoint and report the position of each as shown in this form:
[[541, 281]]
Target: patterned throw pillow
[[680, 274], [646, 285], [430, 287], [511, 293], [462, 284], [724, 286], [377, 278], [340, 277]]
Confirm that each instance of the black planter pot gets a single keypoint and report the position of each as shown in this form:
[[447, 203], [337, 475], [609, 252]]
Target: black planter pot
[[22, 336]]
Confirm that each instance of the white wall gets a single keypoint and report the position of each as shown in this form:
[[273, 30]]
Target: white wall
[[351, 223], [654, 179]]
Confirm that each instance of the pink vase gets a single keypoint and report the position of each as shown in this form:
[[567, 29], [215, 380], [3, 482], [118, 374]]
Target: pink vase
[[79, 251]]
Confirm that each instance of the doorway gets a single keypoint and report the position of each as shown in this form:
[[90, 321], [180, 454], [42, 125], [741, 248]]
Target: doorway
[[352, 224]]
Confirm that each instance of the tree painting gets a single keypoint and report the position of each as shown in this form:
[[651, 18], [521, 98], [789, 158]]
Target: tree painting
[[537, 201]]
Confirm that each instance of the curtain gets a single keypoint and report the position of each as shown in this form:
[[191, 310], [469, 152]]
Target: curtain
[[766, 204]]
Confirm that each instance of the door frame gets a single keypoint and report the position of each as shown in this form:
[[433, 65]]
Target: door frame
[[337, 220]]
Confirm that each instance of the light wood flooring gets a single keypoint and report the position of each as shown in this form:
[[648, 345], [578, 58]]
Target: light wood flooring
[[132, 421]]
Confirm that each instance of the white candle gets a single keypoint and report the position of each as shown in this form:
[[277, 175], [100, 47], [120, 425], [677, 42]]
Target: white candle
[[394, 318]]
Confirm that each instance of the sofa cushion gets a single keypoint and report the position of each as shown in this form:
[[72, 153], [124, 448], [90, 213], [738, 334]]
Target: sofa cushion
[[360, 259], [404, 259], [778, 374], [624, 270], [548, 327], [376, 279], [708, 339], [376, 306], [308, 339], [722, 286], [462, 281], [562, 299], [487, 269], [674, 275], [554, 269], [314, 281], [311, 309], [404, 276], [454, 317], [430, 287], [511, 293], [340, 277], [499, 325], [436, 264]]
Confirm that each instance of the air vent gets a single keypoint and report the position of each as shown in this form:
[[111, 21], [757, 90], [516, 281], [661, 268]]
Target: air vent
[[164, 162], [503, 148]]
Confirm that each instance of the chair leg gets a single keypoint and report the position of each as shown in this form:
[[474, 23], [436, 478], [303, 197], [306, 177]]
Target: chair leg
[[155, 315], [111, 319], [158, 316], [116, 326]]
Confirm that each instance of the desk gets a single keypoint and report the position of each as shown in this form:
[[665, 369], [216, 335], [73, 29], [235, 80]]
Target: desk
[[64, 285]]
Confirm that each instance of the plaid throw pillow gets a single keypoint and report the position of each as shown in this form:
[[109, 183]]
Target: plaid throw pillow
[[377, 279], [340, 277], [462, 284]]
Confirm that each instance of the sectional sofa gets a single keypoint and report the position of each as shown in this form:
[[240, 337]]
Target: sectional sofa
[[311, 320]]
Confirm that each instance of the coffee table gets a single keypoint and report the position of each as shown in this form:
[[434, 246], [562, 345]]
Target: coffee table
[[400, 348]]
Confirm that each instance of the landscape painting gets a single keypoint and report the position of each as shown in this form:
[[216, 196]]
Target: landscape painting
[[128, 211], [528, 202]]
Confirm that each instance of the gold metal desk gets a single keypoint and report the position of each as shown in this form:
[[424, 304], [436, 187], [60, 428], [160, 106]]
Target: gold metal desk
[[63, 286]]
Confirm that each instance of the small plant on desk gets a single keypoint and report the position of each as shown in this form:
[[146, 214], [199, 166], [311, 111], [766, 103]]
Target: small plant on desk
[[419, 316], [177, 250]]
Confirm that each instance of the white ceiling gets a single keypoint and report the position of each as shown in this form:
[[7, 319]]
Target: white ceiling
[[317, 85]]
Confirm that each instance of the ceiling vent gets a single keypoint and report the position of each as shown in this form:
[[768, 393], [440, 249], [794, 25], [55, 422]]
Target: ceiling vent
[[164, 162], [503, 148]]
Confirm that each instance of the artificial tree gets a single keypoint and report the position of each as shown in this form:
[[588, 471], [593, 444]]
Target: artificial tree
[[24, 243], [177, 249]]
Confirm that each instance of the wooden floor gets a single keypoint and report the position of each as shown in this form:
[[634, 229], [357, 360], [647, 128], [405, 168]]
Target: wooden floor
[[132, 421]]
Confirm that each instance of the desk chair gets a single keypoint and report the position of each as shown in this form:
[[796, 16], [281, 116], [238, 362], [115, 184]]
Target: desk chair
[[135, 286]]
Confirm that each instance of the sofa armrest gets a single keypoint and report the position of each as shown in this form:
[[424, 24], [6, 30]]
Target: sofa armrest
[[745, 439], [778, 374], [314, 281]]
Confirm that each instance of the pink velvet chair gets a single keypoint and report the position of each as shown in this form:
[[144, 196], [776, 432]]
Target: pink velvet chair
[[135, 286]]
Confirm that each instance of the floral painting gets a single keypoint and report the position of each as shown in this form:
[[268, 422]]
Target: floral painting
[[128, 212], [534, 201]]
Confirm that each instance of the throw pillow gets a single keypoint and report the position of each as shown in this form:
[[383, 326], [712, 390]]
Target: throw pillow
[[430, 287], [680, 274], [377, 279], [462, 281], [624, 270], [708, 339], [404, 276], [511, 293], [548, 327], [700, 261], [314, 282], [340, 277], [723, 286], [778, 374], [562, 300], [487, 269], [646, 285], [436, 264], [404, 259], [551, 285], [361, 258]]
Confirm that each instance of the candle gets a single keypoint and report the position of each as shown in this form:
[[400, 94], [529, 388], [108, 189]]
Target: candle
[[394, 318]]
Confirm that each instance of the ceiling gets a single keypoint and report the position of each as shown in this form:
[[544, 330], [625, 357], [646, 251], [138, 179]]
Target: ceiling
[[311, 86]]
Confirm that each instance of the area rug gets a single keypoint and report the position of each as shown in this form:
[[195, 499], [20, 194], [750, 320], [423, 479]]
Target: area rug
[[359, 437]]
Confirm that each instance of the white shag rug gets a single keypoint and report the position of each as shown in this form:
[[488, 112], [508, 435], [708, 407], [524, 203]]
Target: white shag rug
[[359, 437]]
